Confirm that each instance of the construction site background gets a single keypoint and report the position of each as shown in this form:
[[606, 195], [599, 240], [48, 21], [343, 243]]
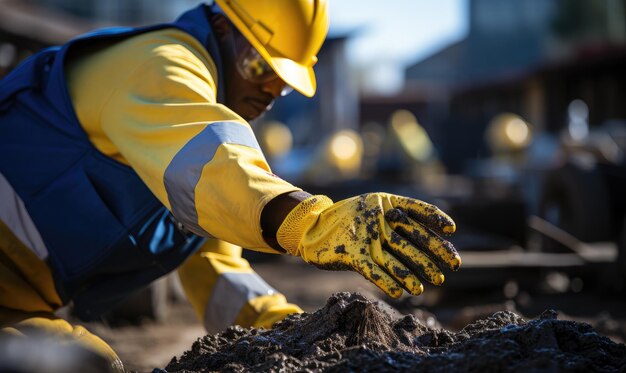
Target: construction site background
[[517, 130]]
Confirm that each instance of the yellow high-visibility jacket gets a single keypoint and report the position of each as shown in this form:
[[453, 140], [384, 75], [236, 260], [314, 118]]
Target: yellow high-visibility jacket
[[145, 102]]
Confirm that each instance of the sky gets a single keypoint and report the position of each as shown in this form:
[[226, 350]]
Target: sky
[[389, 35]]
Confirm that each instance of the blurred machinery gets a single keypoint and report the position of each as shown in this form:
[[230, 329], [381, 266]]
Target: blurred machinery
[[559, 201], [582, 205]]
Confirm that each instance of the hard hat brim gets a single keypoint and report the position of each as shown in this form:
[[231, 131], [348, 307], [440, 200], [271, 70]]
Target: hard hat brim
[[301, 78]]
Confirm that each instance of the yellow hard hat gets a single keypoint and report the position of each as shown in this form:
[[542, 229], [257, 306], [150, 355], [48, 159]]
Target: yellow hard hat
[[286, 33], [508, 132]]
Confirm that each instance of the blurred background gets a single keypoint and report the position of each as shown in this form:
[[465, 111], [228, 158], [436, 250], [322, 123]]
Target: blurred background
[[509, 115]]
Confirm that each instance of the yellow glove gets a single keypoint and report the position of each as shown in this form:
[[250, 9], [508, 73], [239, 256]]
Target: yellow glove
[[224, 290], [388, 239], [266, 310]]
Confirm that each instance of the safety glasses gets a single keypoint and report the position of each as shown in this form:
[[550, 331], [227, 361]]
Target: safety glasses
[[253, 67]]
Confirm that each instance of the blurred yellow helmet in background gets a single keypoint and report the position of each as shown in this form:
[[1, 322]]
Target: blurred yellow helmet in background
[[286, 33], [413, 138], [275, 138], [508, 132]]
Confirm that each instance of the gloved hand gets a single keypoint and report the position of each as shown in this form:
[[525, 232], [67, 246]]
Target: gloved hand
[[386, 238], [268, 310]]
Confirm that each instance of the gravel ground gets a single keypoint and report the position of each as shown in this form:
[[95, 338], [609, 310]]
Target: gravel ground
[[353, 334], [149, 345]]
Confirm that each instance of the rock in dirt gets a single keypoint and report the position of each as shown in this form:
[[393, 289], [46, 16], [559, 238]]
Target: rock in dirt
[[351, 333]]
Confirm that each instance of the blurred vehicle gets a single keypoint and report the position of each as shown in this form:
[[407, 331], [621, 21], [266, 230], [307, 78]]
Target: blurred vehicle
[[582, 206], [559, 203]]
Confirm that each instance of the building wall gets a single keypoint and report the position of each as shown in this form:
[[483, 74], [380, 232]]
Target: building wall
[[531, 58], [506, 18]]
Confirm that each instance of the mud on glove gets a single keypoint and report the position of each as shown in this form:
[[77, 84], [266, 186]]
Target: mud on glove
[[388, 239]]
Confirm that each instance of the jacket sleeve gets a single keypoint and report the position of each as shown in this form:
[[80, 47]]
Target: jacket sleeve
[[198, 157]]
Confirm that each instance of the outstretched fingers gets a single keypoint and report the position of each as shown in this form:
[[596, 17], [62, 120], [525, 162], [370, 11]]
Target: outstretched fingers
[[397, 270], [428, 215], [414, 259], [376, 275], [434, 245]]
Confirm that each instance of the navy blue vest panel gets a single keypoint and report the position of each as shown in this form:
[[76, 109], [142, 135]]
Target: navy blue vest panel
[[106, 233]]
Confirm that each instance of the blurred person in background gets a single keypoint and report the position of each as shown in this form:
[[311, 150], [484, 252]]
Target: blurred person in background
[[127, 153]]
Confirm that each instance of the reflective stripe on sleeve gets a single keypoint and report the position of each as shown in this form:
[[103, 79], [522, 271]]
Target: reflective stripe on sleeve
[[15, 216], [183, 173], [231, 292]]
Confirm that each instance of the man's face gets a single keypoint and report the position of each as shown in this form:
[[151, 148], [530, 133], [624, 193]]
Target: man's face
[[246, 98]]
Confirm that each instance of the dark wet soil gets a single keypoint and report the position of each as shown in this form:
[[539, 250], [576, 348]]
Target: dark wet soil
[[353, 334]]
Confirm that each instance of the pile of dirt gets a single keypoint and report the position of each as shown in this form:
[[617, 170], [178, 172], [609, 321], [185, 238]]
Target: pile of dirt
[[352, 333]]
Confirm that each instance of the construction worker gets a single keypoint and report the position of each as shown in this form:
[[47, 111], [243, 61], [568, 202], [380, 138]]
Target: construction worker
[[122, 151]]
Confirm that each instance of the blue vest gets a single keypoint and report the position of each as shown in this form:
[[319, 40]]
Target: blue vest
[[107, 235]]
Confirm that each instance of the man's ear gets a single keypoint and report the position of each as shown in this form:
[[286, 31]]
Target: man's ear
[[221, 26]]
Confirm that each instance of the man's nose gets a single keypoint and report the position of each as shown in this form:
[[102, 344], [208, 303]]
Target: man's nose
[[274, 87]]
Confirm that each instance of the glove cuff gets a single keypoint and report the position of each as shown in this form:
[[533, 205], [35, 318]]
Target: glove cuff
[[297, 222]]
